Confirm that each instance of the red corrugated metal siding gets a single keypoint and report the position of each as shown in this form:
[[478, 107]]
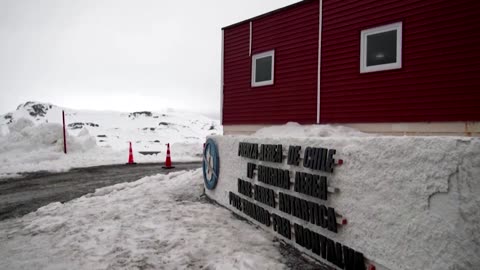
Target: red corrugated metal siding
[[439, 80], [293, 33]]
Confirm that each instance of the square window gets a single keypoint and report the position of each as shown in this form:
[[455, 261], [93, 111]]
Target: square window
[[262, 68], [381, 48]]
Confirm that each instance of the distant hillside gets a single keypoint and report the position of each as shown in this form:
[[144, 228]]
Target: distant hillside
[[148, 131]]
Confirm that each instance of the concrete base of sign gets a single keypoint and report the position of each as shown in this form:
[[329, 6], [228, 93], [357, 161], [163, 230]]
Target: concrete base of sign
[[408, 202]]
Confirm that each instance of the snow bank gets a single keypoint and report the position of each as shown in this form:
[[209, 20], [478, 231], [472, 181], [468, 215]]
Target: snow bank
[[158, 222], [410, 202], [29, 147], [24, 135], [295, 130]]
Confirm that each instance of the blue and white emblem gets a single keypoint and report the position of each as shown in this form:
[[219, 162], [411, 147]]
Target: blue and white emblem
[[211, 164]]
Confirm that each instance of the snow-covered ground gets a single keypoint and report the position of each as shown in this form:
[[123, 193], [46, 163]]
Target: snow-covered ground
[[420, 187], [31, 137], [158, 222]]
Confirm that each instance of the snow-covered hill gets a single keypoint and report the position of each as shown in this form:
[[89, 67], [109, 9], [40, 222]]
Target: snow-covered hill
[[97, 137], [148, 131]]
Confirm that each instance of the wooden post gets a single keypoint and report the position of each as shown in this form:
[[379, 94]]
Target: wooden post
[[64, 134]]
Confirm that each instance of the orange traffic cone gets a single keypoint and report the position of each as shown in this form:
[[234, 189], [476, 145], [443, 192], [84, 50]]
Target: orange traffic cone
[[168, 160], [130, 156]]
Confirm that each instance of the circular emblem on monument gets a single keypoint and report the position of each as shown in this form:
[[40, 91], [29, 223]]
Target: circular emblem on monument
[[211, 164]]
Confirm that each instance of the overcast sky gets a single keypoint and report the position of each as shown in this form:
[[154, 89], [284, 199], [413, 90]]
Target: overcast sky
[[117, 54]]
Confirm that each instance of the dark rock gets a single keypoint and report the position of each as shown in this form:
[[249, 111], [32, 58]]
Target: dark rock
[[75, 125], [78, 125], [136, 114], [38, 110], [8, 117], [26, 104], [91, 124]]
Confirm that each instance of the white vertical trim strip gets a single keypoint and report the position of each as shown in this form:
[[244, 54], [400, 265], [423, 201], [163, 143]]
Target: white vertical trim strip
[[250, 46], [221, 77], [319, 58]]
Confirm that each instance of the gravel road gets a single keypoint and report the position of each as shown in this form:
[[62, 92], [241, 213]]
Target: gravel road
[[19, 196]]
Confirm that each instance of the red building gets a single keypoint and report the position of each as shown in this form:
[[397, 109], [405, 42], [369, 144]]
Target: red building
[[391, 66]]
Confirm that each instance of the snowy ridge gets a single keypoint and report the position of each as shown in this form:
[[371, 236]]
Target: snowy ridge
[[31, 137]]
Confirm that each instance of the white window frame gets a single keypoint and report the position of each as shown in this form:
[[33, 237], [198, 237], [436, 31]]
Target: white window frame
[[254, 61], [363, 48]]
